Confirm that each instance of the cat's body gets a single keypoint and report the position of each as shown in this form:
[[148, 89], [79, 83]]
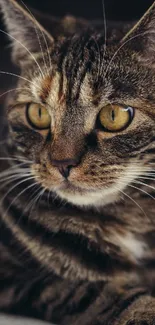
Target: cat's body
[[83, 254]]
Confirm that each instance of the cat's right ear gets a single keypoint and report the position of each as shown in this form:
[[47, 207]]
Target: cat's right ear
[[28, 37], [141, 38]]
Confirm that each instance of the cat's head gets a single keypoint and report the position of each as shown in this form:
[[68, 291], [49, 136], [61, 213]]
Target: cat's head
[[84, 108]]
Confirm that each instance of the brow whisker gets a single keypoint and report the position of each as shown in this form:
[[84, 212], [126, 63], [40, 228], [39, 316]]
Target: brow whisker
[[43, 35], [122, 45], [105, 31], [13, 89], [99, 64], [9, 35], [18, 76], [36, 31]]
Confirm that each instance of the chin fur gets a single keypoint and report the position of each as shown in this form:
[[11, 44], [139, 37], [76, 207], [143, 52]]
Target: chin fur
[[92, 199]]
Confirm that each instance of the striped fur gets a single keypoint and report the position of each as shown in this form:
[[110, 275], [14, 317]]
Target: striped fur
[[84, 253]]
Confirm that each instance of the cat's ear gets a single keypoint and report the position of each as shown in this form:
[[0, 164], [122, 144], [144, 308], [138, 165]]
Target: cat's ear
[[28, 37], [142, 36]]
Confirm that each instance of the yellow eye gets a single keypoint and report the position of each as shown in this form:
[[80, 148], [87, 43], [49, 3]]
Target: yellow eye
[[115, 118], [38, 116]]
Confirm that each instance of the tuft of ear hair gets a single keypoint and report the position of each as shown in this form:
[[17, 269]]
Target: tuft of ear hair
[[27, 35], [142, 36]]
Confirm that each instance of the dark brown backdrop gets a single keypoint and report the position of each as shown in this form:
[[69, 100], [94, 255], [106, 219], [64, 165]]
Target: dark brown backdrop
[[115, 9]]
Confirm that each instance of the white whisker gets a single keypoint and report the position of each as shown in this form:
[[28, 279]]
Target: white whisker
[[15, 176], [41, 194], [24, 190], [13, 179], [18, 76], [34, 198], [16, 159], [13, 187], [129, 197], [105, 25], [13, 167], [105, 31], [141, 190], [2, 31], [35, 28], [147, 185], [148, 177], [122, 45], [13, 89], [12, 170], [99, 64], [43, 35], [33, 202], [48, 199]]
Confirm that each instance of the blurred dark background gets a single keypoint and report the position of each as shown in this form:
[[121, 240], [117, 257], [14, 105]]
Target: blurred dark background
[[115, 9]]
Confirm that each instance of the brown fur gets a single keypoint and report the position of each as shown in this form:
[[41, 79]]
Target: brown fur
[[86, 243]]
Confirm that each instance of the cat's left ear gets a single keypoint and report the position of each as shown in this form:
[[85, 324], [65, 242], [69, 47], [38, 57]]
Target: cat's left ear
[[142, 36], [27, 35]]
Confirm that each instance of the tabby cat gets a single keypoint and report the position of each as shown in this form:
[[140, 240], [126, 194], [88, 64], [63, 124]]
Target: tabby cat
[[77, 229]]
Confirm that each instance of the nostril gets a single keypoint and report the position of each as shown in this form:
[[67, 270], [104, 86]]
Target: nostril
[[64, 171], [64, 166]]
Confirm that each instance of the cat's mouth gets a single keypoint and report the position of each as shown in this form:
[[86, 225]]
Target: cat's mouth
[[70, 187], [85, 196]]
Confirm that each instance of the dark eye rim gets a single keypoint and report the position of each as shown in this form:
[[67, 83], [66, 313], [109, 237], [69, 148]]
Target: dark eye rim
[[100, 127], [29, 121]]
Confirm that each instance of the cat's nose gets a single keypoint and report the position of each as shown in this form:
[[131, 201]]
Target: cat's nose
[[64, 166]]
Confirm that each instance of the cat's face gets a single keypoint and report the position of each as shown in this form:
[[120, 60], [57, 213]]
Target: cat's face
[[83, 113]]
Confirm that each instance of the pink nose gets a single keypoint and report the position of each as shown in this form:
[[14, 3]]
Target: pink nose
[[64, 166]]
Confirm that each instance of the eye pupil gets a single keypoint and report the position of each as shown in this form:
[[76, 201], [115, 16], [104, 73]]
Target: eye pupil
[[113, 115], [39, 113]]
